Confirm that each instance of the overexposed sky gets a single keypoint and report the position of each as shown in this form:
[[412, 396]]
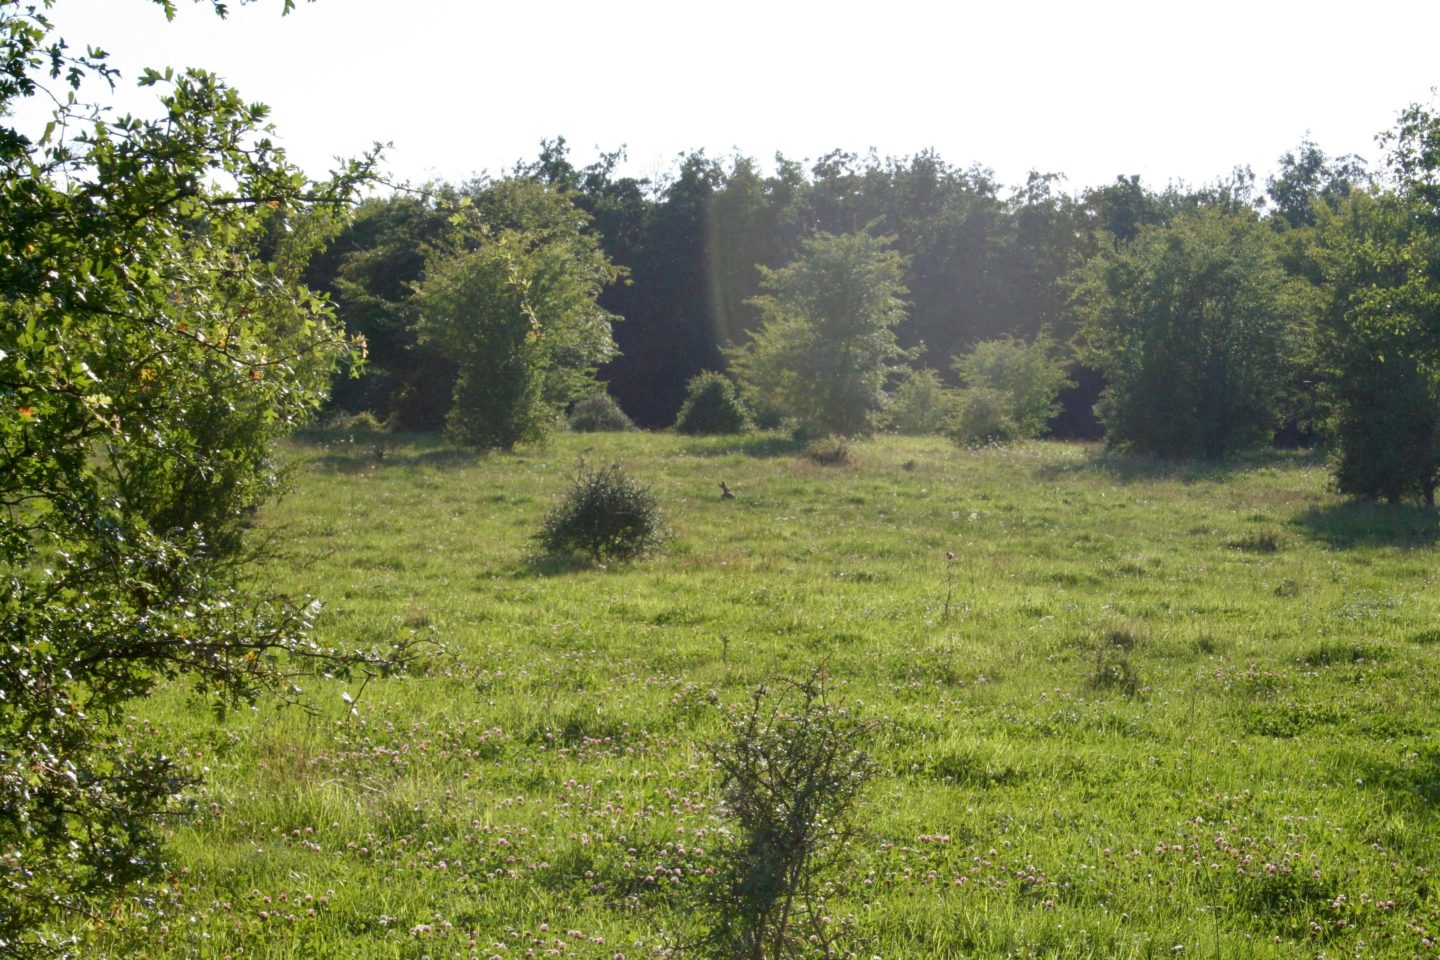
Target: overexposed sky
[[1167, 89]]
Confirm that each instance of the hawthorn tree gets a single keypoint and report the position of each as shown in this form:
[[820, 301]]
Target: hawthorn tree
[[1195, 325], [827, 344], [1379, 254], [149, 358], [513, 302]]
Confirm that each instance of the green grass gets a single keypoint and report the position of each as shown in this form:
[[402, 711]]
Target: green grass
[[1146, 711]]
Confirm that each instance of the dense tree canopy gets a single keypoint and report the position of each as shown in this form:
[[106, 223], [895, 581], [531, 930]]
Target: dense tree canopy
[[1194, 324], [1378, 253], [372, 270]]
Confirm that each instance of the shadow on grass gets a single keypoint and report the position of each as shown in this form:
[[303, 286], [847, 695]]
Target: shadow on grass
[[759, 445], [545, 565], [1142, 468], [1348, 525], [1414, 782], [358, 451]]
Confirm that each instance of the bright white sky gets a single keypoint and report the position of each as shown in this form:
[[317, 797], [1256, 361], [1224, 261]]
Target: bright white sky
[[1164, 89]]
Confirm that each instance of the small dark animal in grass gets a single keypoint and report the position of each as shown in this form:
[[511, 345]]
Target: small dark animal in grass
[[725, 492]]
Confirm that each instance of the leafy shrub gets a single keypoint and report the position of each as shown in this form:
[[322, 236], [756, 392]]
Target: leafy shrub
[[765, 412], [1198, 328], [512, 300], [712, 405], [921, 404], [792, 772], [1011, 389], [828, 451], [826, 343], [982, 416], [131, 268], [362, 422], [599, 413], [604, 515]]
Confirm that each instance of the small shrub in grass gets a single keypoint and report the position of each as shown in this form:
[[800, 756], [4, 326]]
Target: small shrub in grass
[[605, 515], [982, 416], [920, 405], [362, 422], [828, 451], [1268, 540], [1112, 671], [792, 771], [713, 405], [599, 413]]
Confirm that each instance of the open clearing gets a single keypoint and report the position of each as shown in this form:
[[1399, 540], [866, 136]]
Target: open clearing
[[1146, 711]]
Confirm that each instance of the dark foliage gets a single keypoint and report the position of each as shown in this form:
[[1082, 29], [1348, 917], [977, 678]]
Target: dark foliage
[[832, 451]]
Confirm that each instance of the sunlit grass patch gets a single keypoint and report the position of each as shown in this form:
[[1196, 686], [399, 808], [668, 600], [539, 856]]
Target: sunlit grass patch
[[1103, 704]]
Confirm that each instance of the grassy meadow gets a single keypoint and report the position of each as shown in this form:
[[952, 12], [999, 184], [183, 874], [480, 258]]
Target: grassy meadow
[[1145, 711]]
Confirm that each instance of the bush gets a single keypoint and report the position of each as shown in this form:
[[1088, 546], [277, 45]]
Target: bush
[[792, 770], [766, 414], [1198, 327], [362, 422], [1112, 669], [982, 416], [713, 405], [920, 405], [604, 515], [826, 344], [829, 451], [599, 413], [1024, 378]]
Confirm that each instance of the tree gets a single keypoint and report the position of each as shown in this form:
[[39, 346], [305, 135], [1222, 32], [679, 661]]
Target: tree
[[1379, 252], [1307, 178], [827, 343], [1193, 324], [149, 357], [1119, 211], [513, 302]]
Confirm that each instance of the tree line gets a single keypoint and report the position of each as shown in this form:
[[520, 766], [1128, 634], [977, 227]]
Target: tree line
[[1183, 322]]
